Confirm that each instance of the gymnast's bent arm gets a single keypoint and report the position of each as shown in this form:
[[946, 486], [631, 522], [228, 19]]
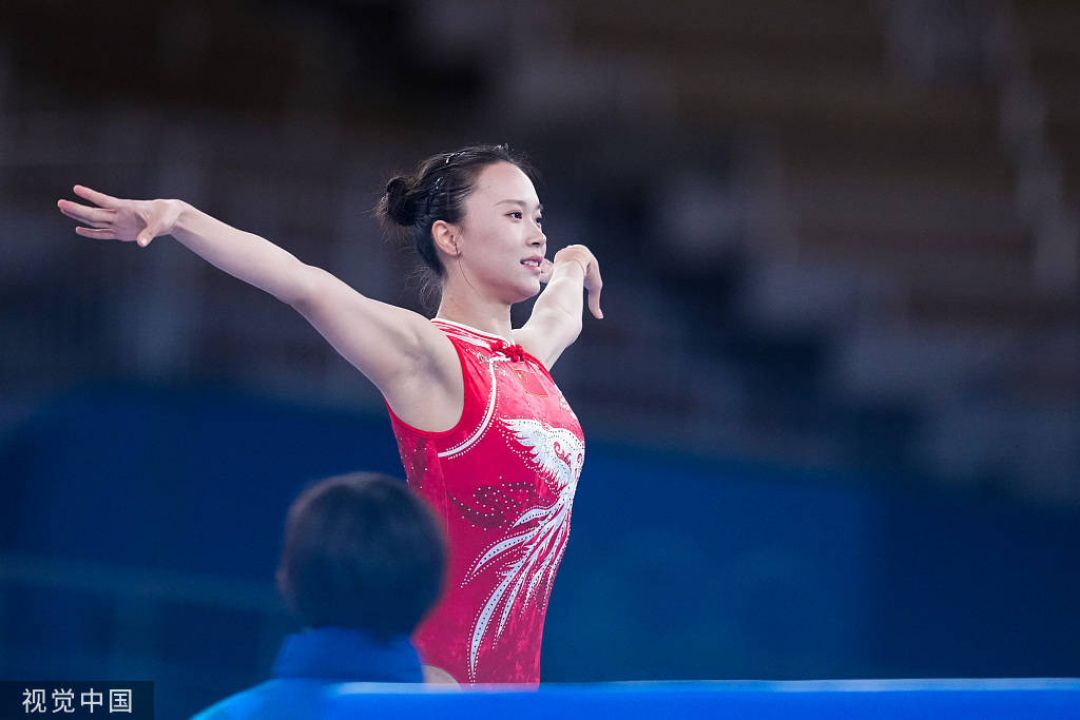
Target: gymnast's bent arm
[[555, 322], [397, 349]]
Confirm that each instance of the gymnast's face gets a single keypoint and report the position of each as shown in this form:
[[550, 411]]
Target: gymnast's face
[[498, 245]]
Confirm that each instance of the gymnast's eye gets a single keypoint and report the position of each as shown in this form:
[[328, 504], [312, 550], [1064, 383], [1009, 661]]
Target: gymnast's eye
[[539, 220], [517, 215]]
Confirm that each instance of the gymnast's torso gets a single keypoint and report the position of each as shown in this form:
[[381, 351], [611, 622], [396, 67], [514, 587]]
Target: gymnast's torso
[[503, 481]]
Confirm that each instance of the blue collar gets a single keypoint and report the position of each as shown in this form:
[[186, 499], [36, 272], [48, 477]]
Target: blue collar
[[341, 654]]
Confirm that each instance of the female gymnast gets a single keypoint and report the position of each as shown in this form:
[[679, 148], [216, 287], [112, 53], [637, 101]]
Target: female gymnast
[[483, 431]]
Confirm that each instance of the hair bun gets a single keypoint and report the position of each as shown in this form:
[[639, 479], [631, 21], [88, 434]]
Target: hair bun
[[400, 201]]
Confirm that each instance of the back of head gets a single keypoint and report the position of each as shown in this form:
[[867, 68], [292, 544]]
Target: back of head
[[362, 551]]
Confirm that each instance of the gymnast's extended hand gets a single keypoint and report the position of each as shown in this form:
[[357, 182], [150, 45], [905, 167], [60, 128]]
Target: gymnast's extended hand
[[138, 221]]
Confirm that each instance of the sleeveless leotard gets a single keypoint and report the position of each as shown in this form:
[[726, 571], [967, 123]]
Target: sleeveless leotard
[[503, 481]]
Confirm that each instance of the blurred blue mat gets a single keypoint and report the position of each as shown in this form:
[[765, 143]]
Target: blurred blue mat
[[878, 699]]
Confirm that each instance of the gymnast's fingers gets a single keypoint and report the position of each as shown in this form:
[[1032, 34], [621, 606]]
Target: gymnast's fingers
[[595, 284], [99, 233], [98, 217], [98, 198], [546, 268]]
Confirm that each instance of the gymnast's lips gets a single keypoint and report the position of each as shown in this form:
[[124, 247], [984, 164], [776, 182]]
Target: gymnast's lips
[[533, 263]]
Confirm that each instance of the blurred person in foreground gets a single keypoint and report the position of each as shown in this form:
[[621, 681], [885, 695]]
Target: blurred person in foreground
[[363, 562]]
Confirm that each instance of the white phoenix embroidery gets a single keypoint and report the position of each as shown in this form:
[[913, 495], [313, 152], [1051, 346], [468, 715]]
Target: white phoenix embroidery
[[558, 455]]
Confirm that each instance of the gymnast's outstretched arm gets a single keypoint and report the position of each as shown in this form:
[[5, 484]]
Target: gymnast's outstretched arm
[[407, 358]]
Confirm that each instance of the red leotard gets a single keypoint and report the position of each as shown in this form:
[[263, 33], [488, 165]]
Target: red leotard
[[503, 480]]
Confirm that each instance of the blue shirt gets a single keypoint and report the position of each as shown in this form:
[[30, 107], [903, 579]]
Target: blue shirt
[[309, 668]]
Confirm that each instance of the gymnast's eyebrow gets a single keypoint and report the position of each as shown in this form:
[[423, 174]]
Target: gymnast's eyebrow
[[522, 203]]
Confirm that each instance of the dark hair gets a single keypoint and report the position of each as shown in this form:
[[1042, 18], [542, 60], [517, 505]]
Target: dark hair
[[362, 551], [437, 191]]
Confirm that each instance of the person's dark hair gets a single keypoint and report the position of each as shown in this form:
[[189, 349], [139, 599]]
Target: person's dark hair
[[437, 191], [362, 551]]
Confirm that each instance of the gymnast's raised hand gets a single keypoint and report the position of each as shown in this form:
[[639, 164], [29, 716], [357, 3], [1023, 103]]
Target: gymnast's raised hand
[[138, 221]]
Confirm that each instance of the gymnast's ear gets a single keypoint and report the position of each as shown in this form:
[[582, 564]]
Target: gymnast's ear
[[446, 236]]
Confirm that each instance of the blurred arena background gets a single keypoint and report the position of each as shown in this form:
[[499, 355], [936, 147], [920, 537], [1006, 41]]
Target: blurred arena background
[[833, 413]]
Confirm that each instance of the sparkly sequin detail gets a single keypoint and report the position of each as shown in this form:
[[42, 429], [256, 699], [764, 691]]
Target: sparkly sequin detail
[[557, 454]]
